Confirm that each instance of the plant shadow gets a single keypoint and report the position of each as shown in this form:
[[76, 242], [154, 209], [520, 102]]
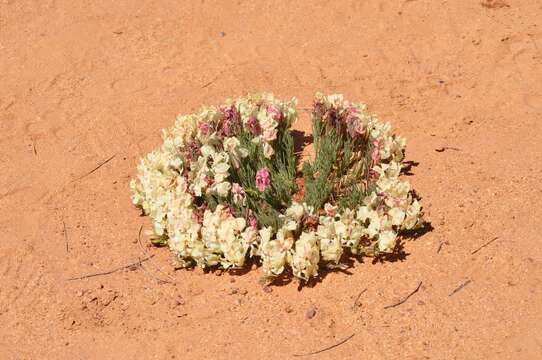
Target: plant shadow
[[413, 234], [407, 167], [301, 140]]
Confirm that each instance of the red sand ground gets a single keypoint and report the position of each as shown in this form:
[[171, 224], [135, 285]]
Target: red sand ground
[[83, 81]]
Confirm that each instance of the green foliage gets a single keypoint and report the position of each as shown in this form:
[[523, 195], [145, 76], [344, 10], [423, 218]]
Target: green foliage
[[267, 206], [282, 169], [331, 156], [159, 240], [356, 183], [211, 200], [340, 170]]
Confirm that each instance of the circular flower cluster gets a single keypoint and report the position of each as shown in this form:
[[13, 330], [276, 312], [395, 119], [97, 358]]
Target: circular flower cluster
[[219, 190]]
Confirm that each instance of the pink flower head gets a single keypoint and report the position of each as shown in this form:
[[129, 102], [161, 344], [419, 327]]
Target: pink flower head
[[197, 213], [238, 193], [318, 108], [251, 219], [192, 150], [226, 213], [208, 180], [254, 126], [354, 126], [275, 112], [330, 209], [204, 128], [374, 175], [269, 135], [230, 122], [262, 179], [253, 222], [237, 189]]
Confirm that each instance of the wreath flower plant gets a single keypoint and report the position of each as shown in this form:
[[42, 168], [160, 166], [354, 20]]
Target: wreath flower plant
[[219, 189]]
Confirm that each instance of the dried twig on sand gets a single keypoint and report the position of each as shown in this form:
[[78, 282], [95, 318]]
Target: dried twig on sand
[[494, 4], [131, 265], [443, 148], [154, 265], [158, 280], [65, 236], [96, 168], [483, 246], [460, 287], [327, 348], [207, 84], [403, 300], [356, 303]]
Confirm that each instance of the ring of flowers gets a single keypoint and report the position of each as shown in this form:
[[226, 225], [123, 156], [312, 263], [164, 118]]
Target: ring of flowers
[[219, 189]]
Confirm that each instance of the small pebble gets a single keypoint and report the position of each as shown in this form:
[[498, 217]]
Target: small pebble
[[179, 301], [233, 291], [311, 312], [268, 289]]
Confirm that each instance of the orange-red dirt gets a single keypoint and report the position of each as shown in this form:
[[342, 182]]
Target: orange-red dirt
[[81, 81]]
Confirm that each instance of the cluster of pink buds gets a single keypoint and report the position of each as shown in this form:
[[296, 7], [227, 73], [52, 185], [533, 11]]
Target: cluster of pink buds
[[275, 112], [254, 126], [231, 122], [263, 180]]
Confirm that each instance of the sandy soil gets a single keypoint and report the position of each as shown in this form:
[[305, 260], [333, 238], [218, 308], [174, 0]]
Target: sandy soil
[[82, 81]]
